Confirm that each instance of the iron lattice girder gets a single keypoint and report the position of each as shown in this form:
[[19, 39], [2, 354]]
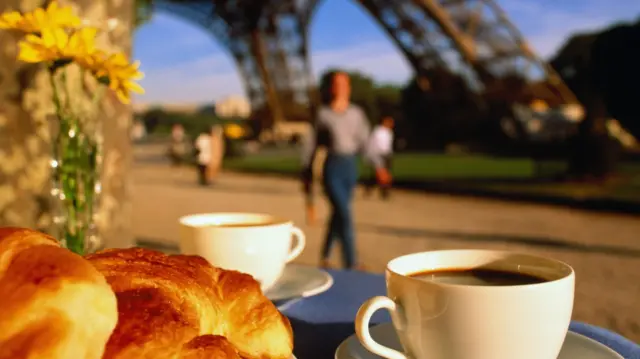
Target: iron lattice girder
[[472, 37], [282, 24], [419, 37], [267, 41], [203, 13], [493, 46]]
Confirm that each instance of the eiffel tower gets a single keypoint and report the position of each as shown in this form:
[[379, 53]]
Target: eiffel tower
[[269, 43]]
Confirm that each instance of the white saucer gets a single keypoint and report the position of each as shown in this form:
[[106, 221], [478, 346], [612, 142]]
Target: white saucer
[[300, 281], [575, 346]]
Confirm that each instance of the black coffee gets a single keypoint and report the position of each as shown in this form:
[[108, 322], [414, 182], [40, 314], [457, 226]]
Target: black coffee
[[479, 277]]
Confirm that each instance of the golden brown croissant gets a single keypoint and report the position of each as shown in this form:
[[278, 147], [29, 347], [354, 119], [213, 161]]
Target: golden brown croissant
[[53, 303], [181, 307]]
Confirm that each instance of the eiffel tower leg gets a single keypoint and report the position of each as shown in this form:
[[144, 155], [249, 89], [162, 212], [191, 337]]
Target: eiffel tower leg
[[260, 58], [286, 62], [239, 36]]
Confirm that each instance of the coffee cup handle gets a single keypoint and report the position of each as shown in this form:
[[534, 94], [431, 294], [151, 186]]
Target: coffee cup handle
[[366, 311], [300, 243]]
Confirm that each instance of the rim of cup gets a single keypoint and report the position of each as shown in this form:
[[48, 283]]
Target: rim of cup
[[562, 269], [203, 220]]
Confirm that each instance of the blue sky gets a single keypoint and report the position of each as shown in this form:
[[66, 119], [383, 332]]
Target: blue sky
[[183, 64]]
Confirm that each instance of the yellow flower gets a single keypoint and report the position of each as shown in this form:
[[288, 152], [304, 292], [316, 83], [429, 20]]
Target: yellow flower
[[10, 20], [92, 61], [55, 44], [121, 75], [82, 43], [47, 47], [35, 21]]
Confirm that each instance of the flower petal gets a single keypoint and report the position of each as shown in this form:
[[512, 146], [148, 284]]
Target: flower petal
[[135, 87], [10, 20]]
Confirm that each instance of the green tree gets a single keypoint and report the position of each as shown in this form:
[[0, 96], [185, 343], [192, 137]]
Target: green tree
[[143, 12], [388, 101], [364, 95], [602, 69]]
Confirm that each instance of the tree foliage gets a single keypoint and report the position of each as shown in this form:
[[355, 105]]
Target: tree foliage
[[605, 64], [143, 12], [603, 70]]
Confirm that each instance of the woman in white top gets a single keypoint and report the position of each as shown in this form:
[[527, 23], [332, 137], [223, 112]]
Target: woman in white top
[[380, 146]]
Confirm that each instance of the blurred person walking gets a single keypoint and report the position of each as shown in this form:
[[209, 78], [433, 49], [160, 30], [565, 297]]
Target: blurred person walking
[[380, 146], [203, 156], [343, 129], [178, 146]]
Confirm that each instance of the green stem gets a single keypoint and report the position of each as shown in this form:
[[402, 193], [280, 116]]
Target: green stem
[[65, 86], [56, 95], [76, 152]]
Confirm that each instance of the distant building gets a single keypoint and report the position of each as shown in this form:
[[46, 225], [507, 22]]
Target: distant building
[[233, 106]]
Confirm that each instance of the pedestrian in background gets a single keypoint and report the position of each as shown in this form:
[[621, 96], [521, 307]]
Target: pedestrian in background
[[203, 156], [380, 146], [178, 146]]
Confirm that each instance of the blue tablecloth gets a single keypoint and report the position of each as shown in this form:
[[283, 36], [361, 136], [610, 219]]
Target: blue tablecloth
[[322, 322]]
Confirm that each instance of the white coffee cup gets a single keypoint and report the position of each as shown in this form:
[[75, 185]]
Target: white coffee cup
[[256, 244], [447, 320]]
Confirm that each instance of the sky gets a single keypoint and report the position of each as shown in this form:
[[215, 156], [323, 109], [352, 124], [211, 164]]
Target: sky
[[183, 64]]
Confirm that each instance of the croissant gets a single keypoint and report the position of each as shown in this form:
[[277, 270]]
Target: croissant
[[181, 307], [53, 303]]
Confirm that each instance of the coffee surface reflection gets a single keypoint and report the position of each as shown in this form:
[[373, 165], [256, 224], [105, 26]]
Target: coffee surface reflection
[[478, 277]]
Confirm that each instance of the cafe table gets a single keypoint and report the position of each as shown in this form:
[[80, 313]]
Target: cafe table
[[320, 323]]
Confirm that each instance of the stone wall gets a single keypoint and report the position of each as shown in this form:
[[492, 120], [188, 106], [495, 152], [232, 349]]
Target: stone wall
[[25, 122]]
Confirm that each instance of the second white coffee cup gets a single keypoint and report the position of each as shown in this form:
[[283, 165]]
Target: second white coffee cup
[[252, 243], [460, 317]]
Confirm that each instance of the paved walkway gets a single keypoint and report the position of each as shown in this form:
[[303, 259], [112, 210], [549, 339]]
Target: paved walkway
[[604, 249]]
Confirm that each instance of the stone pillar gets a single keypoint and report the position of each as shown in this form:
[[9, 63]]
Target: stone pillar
[[25, 115]]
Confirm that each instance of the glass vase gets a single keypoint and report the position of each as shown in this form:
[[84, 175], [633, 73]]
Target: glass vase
[[76, 188]]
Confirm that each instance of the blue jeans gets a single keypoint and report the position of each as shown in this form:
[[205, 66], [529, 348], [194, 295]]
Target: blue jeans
[[339, 177]]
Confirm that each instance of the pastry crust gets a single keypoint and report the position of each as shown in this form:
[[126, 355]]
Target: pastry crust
[[172, 307], [53, 303]]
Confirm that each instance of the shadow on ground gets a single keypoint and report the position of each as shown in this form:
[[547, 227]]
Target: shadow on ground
[[223, 187], [474, 188], [534, 241]]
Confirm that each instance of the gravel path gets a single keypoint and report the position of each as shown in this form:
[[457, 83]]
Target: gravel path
[[604, 249]]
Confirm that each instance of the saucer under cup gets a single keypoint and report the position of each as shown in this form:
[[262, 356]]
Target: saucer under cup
[[575, 346]]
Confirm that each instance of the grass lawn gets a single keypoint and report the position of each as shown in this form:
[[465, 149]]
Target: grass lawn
[[519, 176], [415, 166]]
